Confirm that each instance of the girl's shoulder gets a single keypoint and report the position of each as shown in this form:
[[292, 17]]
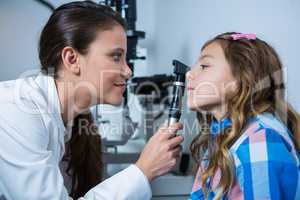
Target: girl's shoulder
[[265, 136], [265, 159]]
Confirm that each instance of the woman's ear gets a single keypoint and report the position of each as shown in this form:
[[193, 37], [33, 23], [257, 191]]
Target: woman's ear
[[70, 59]]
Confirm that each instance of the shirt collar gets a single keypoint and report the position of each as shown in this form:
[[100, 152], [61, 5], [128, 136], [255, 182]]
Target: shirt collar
[[217, 127]]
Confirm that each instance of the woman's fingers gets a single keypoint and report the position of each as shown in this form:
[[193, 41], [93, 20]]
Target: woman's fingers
[[161, 152], [177, 151], [168, 132], [174, 156], [176, 126], [173, 142]]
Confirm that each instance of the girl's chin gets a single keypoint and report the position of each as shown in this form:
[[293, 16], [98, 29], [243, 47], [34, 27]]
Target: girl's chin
[[198, 107], [192, 107]]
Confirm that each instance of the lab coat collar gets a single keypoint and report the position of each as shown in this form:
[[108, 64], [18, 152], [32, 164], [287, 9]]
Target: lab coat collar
[[47, 84]]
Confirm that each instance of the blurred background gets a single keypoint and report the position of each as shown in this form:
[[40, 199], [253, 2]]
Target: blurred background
[[173, 29]]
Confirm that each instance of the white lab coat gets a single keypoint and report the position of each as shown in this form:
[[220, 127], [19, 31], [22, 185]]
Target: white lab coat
[[32, 143]]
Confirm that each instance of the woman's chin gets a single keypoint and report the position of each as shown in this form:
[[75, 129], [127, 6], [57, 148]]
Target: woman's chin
[[116, 101]]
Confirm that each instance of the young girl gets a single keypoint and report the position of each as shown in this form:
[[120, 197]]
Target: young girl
[[250, 136]]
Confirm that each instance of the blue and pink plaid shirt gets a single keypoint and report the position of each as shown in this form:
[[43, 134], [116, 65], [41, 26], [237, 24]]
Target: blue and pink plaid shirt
[[267, 164]]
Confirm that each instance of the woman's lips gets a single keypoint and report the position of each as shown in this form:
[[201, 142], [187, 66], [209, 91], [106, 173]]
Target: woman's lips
[[122, 83], [190, 88], [121, 86]]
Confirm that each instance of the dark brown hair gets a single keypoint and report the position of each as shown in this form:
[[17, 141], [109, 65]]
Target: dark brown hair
[[76, 24], [258, 71]]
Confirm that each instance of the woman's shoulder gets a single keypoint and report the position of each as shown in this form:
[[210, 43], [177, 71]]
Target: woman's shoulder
[[29, 96], [20, 89], [24, 110]]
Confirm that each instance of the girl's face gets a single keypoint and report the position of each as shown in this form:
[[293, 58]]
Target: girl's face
[[210, 80], [105, 70]]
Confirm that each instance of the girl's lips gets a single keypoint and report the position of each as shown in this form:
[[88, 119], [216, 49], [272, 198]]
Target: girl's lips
[[190, 88]]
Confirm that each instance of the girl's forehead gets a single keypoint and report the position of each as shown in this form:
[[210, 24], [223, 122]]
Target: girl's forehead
[[212, 50]]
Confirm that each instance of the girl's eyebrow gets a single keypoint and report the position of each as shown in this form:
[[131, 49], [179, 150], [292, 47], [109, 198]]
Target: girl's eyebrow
[[206, 56]]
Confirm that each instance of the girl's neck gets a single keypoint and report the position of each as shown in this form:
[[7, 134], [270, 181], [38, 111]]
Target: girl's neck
[[219, 112]]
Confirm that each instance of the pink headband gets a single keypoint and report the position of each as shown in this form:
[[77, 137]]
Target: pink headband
[[239, 36]]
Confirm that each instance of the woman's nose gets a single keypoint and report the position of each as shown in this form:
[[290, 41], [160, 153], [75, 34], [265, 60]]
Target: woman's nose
[[126, 72]]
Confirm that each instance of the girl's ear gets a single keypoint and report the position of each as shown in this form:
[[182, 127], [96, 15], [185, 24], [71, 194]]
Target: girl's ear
[[70, 59]]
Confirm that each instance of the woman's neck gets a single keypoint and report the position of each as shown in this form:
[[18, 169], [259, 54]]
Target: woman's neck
[[70, 106]]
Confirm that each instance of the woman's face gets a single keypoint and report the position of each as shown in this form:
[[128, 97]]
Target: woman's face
[[104, 68], [210, 80]]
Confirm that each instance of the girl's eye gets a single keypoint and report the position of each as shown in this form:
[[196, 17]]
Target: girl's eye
[[203, 66]]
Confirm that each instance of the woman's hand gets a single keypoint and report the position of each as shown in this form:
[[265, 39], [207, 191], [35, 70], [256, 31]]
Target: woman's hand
[[161, 152]]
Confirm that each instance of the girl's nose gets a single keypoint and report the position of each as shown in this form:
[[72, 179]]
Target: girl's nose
[[189, 75]]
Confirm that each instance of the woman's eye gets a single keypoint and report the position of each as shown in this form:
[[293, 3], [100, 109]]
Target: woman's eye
[[117, 57]]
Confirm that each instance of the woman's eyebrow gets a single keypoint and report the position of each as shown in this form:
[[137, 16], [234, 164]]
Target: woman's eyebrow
[[119, 49], [115, 50]]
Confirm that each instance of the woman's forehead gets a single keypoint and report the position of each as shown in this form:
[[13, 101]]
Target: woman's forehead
[[113, 38]]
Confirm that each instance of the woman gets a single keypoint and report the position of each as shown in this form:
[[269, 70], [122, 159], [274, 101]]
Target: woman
[[82, 52], [250, 137]]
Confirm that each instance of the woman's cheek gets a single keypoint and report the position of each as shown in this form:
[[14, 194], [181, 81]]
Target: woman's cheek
[[111, 92], [108, 83]]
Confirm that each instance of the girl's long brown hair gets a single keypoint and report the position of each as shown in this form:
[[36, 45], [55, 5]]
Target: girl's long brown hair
[[77, 24], [259, 73]]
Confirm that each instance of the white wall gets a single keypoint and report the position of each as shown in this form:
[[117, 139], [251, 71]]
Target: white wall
[[182, 27], [174, 28], [21, 22]]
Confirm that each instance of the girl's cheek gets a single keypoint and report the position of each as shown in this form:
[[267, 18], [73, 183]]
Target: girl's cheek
[[231, 88]]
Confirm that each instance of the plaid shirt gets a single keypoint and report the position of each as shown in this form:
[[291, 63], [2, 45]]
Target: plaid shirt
[[266, 162]]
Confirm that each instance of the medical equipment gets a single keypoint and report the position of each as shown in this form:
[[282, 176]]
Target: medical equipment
[[180, 70]]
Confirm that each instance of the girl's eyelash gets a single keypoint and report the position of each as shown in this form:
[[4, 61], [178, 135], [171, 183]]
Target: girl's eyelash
[[203, 66]]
